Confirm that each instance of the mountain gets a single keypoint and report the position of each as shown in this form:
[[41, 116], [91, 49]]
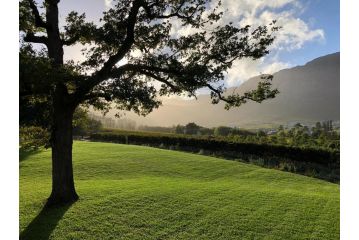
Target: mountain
[[308, 94]]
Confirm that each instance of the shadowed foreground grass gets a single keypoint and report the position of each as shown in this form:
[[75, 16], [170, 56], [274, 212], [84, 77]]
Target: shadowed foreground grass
[[134, 192]]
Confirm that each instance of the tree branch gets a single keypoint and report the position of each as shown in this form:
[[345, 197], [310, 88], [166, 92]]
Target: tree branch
[[96, 95], [103, 73], [173, 14], [39, 22], [258, 95], [219, 94], [148, 71], [160, 79], [145, 70], [129, 40], [141, 67], [30, 37], [70, 41]]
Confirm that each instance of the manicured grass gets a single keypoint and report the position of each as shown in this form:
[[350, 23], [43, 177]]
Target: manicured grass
[[134, 192]]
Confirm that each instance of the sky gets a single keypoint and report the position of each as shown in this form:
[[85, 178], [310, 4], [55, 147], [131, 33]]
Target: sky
[[310, 29]]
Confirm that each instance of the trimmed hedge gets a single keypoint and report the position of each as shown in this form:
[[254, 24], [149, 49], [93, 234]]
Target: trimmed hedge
[[311, 155]]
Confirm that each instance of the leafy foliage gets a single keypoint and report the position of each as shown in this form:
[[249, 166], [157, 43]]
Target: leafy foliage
[[33, 137], [300, 136], [321, 136], [140, 32]]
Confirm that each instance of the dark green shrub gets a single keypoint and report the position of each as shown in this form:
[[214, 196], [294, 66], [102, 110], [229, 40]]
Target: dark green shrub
[[32, 137]]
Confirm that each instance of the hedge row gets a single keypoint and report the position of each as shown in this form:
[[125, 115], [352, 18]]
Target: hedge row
[[310, 155]]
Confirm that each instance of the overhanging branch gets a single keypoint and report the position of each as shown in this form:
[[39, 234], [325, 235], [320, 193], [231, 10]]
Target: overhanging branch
[[175, 13], [161, 79], [70, 41], [39, 22], [30, 37], [126, 46], [103, 73], [219, 94]]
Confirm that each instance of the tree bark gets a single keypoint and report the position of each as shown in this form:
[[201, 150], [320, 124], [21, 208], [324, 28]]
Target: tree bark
[[63, 188]]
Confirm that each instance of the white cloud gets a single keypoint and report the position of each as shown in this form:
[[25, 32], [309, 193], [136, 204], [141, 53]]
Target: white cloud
[[275, 67], [241, 71], [108, 3], [294, 34], [245, 69]]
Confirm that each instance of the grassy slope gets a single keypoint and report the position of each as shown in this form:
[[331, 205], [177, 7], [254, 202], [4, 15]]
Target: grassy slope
[[133, 192]]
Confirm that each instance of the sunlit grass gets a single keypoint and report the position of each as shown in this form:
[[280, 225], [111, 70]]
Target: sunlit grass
[[133, 192]]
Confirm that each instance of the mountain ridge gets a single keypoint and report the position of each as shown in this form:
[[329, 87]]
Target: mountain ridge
[[308, 93]]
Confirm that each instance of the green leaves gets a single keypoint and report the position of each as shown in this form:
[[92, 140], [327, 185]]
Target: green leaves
[[78, 30], [30, 19], [145, 37], [33, 137], [128, 93], [263, 92]]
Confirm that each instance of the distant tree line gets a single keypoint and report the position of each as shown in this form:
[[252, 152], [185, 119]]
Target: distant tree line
[[83, 124], [158, 129], [321, 135], [120, 123], [194, 129]]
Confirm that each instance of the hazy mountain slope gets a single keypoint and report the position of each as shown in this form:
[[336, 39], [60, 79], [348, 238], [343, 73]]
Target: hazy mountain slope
[[308, 93]]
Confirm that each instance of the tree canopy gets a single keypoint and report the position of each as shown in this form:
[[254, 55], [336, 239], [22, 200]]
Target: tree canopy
[[141, 33]]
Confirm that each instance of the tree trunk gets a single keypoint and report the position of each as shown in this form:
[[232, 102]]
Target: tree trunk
[[63, 188]]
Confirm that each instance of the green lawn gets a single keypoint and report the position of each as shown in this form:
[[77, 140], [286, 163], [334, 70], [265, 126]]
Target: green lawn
[[133, 192]]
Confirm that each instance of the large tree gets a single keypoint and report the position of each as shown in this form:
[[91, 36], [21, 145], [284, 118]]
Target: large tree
[[142, 34]]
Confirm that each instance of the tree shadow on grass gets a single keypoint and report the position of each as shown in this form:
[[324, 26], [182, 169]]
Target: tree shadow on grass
[[25, 154], [44, 223]]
